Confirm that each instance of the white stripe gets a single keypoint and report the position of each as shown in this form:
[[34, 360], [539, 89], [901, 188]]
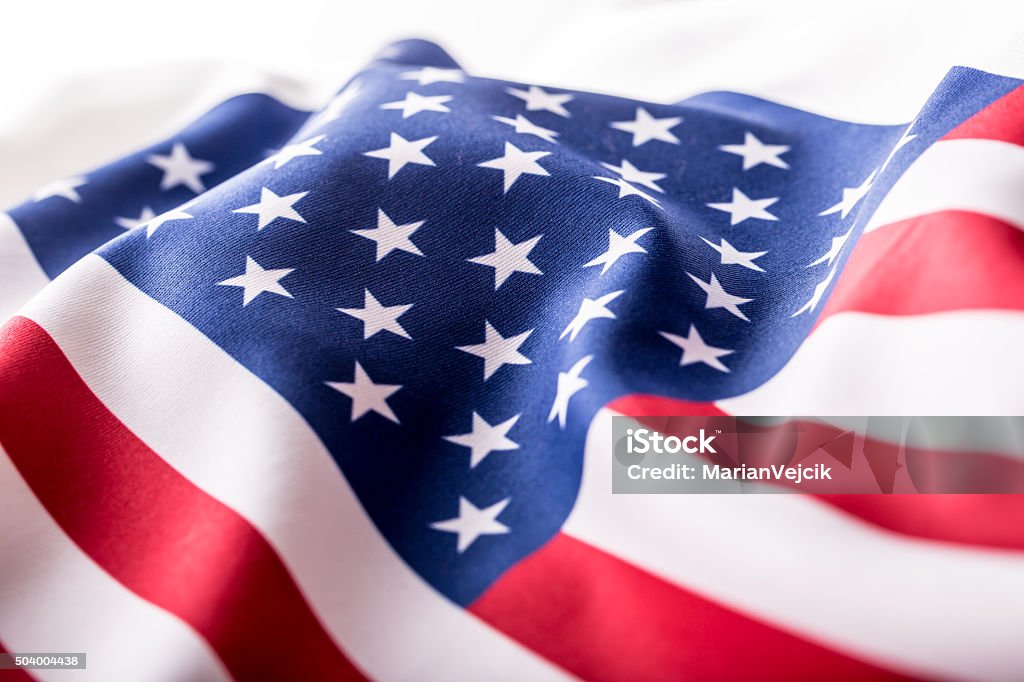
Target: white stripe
[[921, 606], [241, 442], [983, 176], [53, 598], [959, 363], [21, 277]]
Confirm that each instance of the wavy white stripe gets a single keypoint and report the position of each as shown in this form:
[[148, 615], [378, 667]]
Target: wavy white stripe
[[910, 604], [21, 277], [955, 363], [241, 442], [983, 176], [55, 599]]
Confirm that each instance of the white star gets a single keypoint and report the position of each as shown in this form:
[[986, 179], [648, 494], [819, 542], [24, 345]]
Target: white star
[[294, 151], [378, 318], [516, 162], [815, 298], [131, 223], [743, 207], [497, 350], [905, 138], [508, 258], [619, 246], [431, 74], [391, 237], [66, 188], [646, 128], [851, 197], [538, 99], [631, 173], [569, 384], [626, 189], [401, 151], [415, 103], [173, 214], [181, 169], [524, 126], [833, 252], [271, 207], [696, 350], [719, 297], [485, 438], [733, 256], [367, 396], [256, 281], [754, 152], [471, 522], [590, 309]]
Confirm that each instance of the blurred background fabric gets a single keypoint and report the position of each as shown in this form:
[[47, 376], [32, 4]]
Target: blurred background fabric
[[220, 503], [127, 74]]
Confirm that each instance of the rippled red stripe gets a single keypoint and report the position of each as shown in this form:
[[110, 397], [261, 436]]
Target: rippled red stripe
[[149, 527]]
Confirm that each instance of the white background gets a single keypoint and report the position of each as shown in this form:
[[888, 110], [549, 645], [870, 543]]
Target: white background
[[85, 82]]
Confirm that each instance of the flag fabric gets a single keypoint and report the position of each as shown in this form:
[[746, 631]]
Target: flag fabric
[[326, 395]]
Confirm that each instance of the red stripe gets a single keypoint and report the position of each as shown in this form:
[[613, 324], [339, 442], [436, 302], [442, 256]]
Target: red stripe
[[148, 526], [644, 405], [984, 520], [987, 520], [953, 260], [604, 619], [1002, 120]]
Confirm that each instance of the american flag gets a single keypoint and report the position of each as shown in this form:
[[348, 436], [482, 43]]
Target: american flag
[[327, 395]]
